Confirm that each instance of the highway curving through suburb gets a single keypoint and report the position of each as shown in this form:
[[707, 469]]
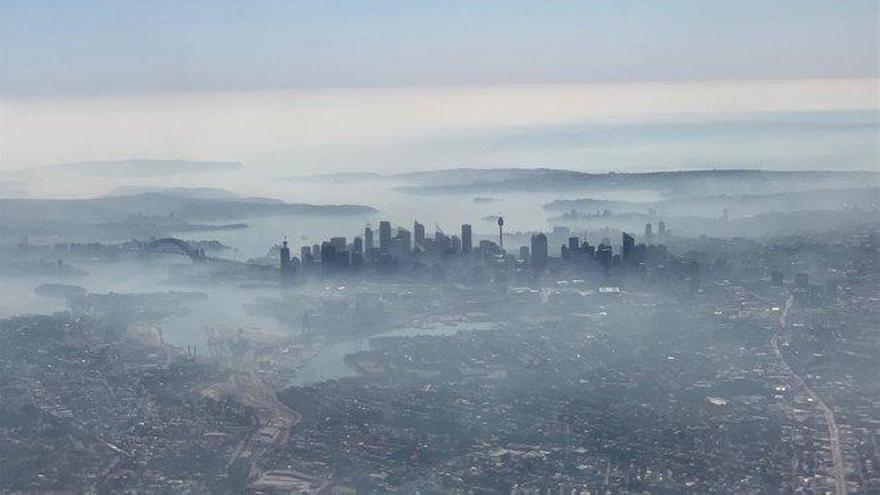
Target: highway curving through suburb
[[833, 431]]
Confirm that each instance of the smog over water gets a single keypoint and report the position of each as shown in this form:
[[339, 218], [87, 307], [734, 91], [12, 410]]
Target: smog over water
[[471, 248]]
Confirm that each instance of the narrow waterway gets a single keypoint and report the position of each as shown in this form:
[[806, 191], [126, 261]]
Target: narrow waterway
[[329, 364]]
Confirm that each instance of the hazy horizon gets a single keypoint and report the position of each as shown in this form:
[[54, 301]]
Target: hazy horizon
[[777, 125], [352, 86]]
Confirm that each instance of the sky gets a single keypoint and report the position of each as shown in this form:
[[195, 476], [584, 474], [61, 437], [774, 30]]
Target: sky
[[161, 46], [291, 87]]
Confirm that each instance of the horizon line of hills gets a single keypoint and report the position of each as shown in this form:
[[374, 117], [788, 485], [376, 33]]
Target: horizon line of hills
[[146, 167], [444, 180], [704, 184]]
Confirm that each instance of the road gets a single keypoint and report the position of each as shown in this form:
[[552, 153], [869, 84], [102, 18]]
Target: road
[[275, 418], [243, 384], [833, 431]]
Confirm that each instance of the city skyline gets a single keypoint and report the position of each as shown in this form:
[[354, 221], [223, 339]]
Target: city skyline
[[354, 247]]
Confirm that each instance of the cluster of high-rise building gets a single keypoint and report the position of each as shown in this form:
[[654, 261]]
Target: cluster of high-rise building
[[394, 246], [577, 251], [398, 246], [581, 250]]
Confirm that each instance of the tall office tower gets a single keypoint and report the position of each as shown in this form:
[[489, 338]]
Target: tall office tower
[[285, 257], [487, 248], [384, 236], [400, 245], [405, 238], [604, 254], [357, 245], [539, 251], [501, 233], [442, 243], [467, 239], [648, 231], [339, 244], [456, 244], [305, 253], [316, 251], [419, 234], [368, 238], [661, 228], [328, 254], [573, 245], [628, 244]]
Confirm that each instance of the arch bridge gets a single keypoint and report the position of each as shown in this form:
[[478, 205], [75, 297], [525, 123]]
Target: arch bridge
[[182, 246]]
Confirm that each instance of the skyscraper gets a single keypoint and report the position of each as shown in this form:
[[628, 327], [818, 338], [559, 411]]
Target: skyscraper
[[604, 254], [384, 236], [467, 240], [442, 243], [328, 254], [629, 243], [285, 257], [419, 234], [648, 232], [661, 228], [401, 244], [539, 251], [368, 238], [357, 252], [339, 244], [405, 238], [501, 233]]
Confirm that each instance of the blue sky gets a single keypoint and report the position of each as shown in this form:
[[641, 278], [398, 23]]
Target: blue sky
[[131, 47]]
